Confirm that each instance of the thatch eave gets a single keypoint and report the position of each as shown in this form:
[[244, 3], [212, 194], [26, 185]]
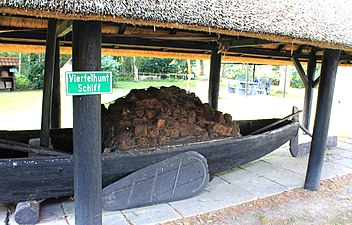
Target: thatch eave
[[298, 34]]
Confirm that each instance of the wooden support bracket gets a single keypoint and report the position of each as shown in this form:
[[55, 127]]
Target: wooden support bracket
[[300, 70]]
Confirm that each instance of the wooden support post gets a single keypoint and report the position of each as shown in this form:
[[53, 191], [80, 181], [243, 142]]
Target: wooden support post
[[48, 82], [214, 78], [86, 54], [322, 118], [56, 97], [308, 96]]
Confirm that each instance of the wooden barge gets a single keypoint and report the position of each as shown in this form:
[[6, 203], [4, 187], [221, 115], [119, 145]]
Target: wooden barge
[[30, 178]]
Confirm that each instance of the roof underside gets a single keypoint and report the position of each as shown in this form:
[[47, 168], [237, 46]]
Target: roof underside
[[263, 32]]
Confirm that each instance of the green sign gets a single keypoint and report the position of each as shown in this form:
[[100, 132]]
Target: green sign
[[88, 83]]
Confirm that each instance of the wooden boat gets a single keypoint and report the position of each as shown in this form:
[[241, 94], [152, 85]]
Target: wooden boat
[[52, 176]]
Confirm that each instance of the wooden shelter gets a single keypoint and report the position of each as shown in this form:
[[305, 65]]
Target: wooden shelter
[[265, 32], [8, 67]]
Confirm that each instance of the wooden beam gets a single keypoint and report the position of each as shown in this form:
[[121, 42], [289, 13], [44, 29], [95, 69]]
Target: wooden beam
[[248, 42], [173, 31], [280, 47], [299, 49], [86, 55], [260, 52], [48, 82], [300, 70], [64, 28], [130, 42], [322, 118]]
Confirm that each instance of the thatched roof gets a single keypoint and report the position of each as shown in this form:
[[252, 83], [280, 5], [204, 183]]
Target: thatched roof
[[323, 23], [260, 32]]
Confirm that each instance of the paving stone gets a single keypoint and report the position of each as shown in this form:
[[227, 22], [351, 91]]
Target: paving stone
[[50, 211], [344, 162], [204, 202], [259, 167], [228, 194], [199, 204], [236, 174], [297, 165], [331, 169], [114, 218], [53, 222], [260, 186], [69, 210], [340, 152], [151, 214], [3, 212], [286, 178], [282, 152], [345, 146]]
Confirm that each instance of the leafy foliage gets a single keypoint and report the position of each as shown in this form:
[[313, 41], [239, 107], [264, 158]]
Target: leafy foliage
[[157, 65], [22, 83], [33, 69], [296, 80], [109, 63]]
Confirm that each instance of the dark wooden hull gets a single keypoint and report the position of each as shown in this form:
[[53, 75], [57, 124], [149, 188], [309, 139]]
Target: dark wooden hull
[[45, 177]]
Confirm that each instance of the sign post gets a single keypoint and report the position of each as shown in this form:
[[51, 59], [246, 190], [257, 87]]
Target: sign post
[[88, 82]]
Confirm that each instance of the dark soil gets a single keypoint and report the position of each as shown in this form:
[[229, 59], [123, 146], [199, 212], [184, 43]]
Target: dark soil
[[153, 117], [332, 204]]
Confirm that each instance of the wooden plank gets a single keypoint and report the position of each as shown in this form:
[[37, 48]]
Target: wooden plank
[[86, 55], [17, 146]]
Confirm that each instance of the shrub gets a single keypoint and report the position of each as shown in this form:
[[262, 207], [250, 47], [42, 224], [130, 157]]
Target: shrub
[[22, 83]]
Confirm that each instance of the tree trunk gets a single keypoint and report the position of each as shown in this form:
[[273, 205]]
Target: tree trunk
[[135, 70], [282, 84]]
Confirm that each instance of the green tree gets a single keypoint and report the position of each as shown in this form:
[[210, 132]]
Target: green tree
[[109, 63], [161, 65], [33, 69], [296, 80]]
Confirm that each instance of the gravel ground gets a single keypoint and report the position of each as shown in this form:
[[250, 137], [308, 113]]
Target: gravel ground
[[332, 204]]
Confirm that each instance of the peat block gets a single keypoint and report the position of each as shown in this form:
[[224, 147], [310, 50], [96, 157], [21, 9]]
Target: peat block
[[152, 117]]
